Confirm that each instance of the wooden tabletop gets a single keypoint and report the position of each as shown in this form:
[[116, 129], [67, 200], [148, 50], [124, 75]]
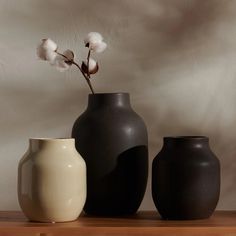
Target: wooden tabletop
[[143, 223]]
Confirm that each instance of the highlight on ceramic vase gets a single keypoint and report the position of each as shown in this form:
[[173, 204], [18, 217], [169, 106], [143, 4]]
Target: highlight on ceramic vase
[[113, 140], [52, 181], [185, 178]]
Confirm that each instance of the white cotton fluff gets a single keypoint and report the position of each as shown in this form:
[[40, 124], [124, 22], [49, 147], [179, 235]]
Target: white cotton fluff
[[46, 50], [60, 64], [92, 64], [94, 41], [93, 37], [50, 55], [99, 47]]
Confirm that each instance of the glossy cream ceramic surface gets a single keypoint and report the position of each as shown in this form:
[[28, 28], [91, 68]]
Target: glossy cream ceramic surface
[[52, 181]]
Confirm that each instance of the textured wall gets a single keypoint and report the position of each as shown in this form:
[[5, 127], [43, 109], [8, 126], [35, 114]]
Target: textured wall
[[175, 57]]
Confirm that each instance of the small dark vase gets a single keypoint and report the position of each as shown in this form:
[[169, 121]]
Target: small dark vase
[[113, 141], [185, 178]]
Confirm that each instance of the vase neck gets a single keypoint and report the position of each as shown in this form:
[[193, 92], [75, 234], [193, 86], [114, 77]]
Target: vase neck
[[100, 100], [187, 141], [37, 144]]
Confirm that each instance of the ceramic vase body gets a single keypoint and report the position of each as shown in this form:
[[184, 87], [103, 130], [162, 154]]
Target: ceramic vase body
[[185, 179], [52, 181], [113, 140]]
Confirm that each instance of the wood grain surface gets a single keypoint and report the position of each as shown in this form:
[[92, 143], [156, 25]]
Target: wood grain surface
[[143, 223]]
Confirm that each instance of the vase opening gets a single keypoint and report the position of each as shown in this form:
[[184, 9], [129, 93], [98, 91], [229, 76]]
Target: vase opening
[[186, 137], [52, 139], [98, 100], [37, 143], [183, 140]]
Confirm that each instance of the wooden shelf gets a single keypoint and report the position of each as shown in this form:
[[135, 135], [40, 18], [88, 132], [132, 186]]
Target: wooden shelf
[[143, 223]]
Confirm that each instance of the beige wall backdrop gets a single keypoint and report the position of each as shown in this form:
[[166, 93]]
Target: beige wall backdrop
[[175, 57]]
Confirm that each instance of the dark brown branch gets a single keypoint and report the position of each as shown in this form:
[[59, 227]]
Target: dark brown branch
[[88, 57], [87, 77]]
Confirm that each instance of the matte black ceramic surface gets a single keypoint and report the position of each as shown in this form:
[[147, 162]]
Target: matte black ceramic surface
[[113, 140], [185, 178]]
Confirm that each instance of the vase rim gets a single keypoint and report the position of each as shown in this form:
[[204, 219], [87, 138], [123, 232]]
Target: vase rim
[[115, 93], [38, 143], [99, 100], [186, 137], [51, 139]]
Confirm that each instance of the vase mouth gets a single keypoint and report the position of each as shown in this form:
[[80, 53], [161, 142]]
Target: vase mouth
[[55, 143], [112, 93], [186, 137], [52, 139], [197, 141], [108, 94], [99, 100]]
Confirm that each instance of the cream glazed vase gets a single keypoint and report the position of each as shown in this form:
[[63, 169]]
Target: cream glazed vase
[[52, 181]]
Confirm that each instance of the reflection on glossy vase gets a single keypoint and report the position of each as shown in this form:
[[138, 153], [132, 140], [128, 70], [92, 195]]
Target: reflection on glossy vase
[[52, 181], [186, 178], [112, 139]]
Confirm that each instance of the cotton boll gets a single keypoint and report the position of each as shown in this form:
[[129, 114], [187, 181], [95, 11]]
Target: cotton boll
[[46, 50], [48, 44], [50, 55], [93, 37], [93, 66], [94, 41], [99, 47], [46, 55], [60, 64]]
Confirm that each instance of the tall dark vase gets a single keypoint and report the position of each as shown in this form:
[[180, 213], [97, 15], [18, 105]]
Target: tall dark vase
[[185, 178], [113, 141]]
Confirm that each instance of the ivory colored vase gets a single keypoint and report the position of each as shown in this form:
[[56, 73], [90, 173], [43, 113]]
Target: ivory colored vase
[[52, 181]]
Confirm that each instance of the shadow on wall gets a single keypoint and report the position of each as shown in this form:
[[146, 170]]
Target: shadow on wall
[[28, 111], [144, 28]]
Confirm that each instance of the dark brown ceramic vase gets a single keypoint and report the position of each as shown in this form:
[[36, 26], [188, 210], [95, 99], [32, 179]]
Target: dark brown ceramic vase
[[185, 178], [113, 141]]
